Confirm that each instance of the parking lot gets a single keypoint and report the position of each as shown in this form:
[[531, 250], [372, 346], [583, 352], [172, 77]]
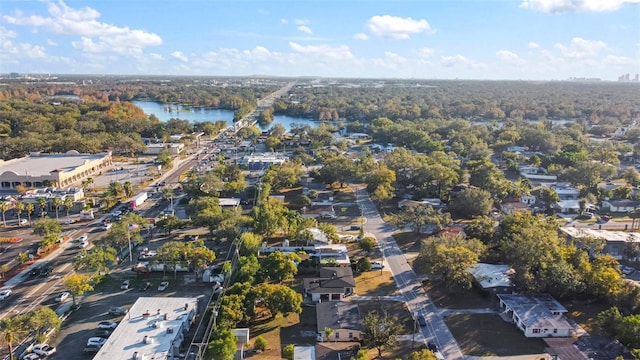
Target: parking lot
[[82, 324]]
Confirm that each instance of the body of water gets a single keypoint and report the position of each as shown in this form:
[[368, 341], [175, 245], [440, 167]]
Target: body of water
[[165, 112]]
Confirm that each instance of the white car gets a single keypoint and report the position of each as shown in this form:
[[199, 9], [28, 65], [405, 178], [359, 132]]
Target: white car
[[83, 238], [163, 286], [107, 325], [63, 296], [377, 265], [125, 285], [5, 294], [83, 244], [44, 349], [31, 356], [96, 341]]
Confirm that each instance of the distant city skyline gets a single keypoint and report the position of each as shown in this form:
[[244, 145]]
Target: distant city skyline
[[475, 39]]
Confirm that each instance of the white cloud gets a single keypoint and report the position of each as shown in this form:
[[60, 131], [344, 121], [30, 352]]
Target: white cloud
[[507, 55], [425, 52], [341, 52], [361, 36], [180, 56], [580, 48], [569, 6], [619, 60], [284, 21], [305, 29], [51, 42], [455, 60], [155, 56], [94, 35], [395, 27], [391, 60], [533, 45], [301, 21]]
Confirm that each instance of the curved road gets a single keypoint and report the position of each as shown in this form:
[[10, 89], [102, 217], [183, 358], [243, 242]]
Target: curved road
[[406, 279]]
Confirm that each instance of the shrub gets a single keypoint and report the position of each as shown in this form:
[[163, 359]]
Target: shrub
[[260, 343], [288, 352]]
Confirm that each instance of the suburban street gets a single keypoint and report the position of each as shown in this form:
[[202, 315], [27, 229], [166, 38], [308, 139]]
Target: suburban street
[[406, 279]]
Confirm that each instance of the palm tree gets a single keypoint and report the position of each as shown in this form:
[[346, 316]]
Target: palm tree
[[4, 206], [29, 207], [128, 189], [68, 204], [56, 204], [10, 329], [19, 206], [42, 202]]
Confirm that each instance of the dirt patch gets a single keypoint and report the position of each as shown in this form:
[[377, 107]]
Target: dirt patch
[[489, 335], [441, 295], [409, 241], [375, 283]]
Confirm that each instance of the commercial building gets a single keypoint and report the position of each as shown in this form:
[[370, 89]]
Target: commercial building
[[155, 149], [39, 170], [262, 161], [154, 328]]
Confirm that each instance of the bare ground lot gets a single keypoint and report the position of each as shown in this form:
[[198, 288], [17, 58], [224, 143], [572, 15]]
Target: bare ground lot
[[375, 283], [489, 335]]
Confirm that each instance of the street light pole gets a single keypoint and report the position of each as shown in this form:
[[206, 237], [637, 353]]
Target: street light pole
[[129, 241]]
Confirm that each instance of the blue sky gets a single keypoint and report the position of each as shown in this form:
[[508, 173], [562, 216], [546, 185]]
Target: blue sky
[[443, 39]]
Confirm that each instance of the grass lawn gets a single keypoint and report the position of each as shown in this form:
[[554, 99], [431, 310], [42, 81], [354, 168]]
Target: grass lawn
[[401, 350], [489, 335], [344, 195], [586, 315], [440, 295], [394, 309], [375, 283], [409, 241]]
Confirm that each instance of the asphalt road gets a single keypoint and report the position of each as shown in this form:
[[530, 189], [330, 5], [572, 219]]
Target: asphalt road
[[408, 283]]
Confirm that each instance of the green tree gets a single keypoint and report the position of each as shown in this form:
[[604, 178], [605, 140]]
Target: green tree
[[98, 260], [46, 226], [424, 354], [56, 202], [223, 346], [471, 202], [363, 265], [11, 329], [29, 207], [127, 187], [328, 332], [451, 258], [250, 243], [42, 320], [77, 284], [367, 244], [19, 207], [360, 355], [248, 269], [278, 299], [279, 266], [379, 332], [68, 204], [4, 206], [170, 223], [417, 216]]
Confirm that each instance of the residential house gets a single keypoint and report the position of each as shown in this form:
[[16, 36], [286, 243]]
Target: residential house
[[615, 241], [565, 191], [495, 279], [512, 207], [619, 206], [536, 315], [331, 284], [324, 211], [536, 174], [343, 317], [360, 136], [573, 207], [323, 199], [336, 350]]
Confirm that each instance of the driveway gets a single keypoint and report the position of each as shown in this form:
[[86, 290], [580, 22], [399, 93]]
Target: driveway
[[408, 283]]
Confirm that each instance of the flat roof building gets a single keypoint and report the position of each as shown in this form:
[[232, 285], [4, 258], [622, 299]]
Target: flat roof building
[[61, 170], [154, 328]]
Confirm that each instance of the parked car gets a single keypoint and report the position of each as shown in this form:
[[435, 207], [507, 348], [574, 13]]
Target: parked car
[[31, 356], [83, 244], [125, 285], [377, 265], [46, 271], [107, 325], [163, 286], [5, 294], [63, 296], [422, 321], [44, 349], [117, 310], [103, 333], [83, 238], [96, 341], [92, 348]]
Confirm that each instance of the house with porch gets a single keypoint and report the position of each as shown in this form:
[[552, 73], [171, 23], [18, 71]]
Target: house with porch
[[492, 278], [619, 206], [535, 315], [331, 284]]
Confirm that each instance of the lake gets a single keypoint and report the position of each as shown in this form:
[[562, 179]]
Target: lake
[[194, 115]]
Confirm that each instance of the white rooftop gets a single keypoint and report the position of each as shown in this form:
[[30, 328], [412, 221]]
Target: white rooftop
[[608, 235], [229, 201], [491, 276], [44, 164], [146, 320]]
